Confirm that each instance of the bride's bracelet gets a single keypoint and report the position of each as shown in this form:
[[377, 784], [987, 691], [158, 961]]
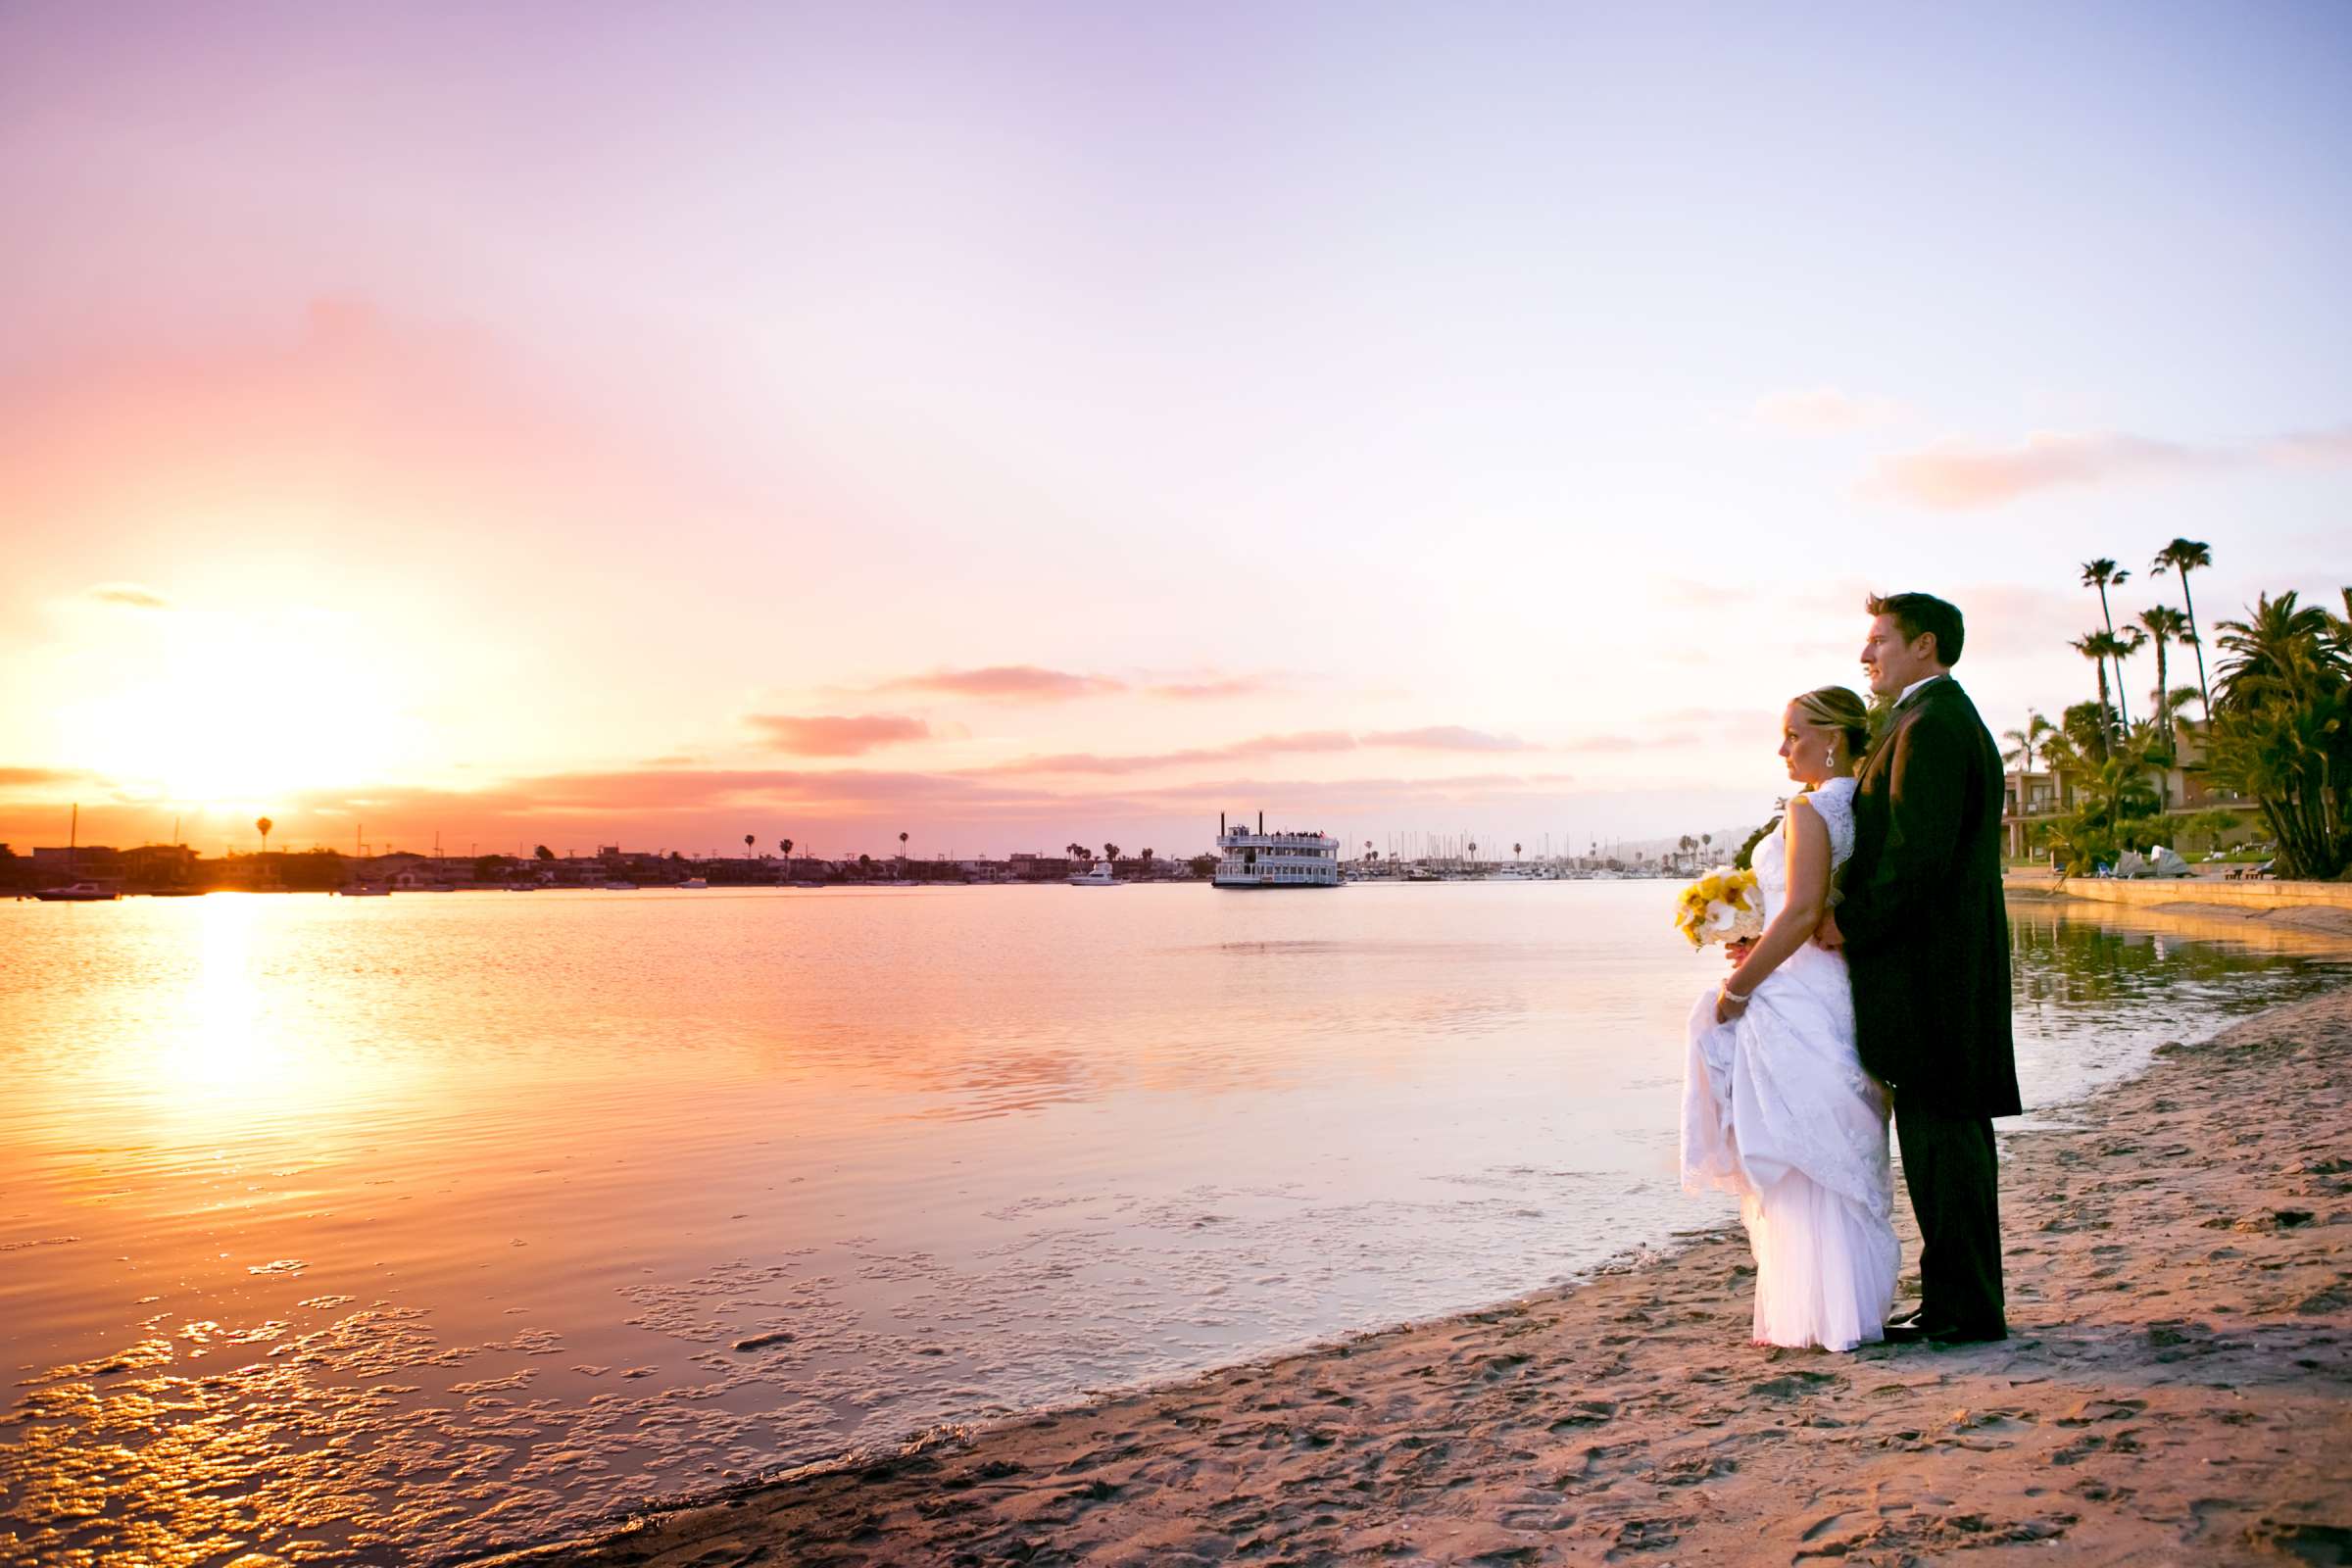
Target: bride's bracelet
[[1735, 996]]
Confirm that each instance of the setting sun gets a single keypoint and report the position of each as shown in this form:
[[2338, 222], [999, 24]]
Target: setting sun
[[211, 708]]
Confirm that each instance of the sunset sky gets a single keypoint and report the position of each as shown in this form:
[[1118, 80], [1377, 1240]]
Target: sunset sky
[[1020, 423]]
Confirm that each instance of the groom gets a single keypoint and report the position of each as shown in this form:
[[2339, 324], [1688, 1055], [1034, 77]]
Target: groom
[[1927, 942]]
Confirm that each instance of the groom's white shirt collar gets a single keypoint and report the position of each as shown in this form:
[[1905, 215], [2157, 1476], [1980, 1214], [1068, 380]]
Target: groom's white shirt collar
[[1915, 686]]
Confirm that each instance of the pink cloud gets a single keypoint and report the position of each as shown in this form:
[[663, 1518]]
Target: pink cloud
[[837, 735], [1447, 738], [1435, 738], [2314, 449], [1955, 478], [1149, 761], [1821, 410]]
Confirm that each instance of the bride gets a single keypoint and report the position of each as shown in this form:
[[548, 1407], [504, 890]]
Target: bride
[[1776, 1106]]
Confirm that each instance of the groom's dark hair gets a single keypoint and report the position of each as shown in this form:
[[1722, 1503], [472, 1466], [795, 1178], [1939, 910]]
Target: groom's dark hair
[[1917, 612]]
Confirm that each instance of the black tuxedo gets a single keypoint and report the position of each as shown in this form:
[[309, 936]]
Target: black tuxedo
[[1926, 941]]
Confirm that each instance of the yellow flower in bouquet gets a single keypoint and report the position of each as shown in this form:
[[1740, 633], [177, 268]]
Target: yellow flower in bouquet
[[1721, 907]]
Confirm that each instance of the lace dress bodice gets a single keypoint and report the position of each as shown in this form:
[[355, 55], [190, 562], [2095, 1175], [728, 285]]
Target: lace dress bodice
[[1833, 803]]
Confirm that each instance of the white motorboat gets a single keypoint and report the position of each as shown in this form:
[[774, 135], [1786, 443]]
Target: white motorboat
[[78, 893], [368, 890], [620, 887], [1099, 877], [696, 882]]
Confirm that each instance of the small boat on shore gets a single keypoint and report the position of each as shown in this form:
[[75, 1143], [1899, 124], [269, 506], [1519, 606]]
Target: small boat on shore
[[78, 893], [367, 890], [620, 887], [696, 882]]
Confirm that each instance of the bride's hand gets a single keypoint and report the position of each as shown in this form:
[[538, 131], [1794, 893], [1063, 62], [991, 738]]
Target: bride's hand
[[1728, 1007], [1738, 951], [1827, 934]]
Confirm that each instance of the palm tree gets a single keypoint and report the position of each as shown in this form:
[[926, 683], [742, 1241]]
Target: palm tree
[[2098, 574], [2163, 624], [902, 852], [2023, 743], [263, 824], [2185, 556], [1514, 851], [2095, 646], [1111, 853], [2058, 755], [2174, 701], [786, 846], [2123, 778], [2128, 644], [746, 846], [1686, 843], [2282, 727], [2090, 729]]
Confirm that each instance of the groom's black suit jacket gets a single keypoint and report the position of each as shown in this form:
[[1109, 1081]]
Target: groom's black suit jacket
[[1927, 938]]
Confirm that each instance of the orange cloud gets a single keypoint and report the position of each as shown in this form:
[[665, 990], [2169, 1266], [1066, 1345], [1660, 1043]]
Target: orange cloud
[[1953, 477], [1212, 690], [838, 736], [130, 595], [1007, 683]]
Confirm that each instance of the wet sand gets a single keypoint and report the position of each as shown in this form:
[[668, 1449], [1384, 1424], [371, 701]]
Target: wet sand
[[2177, 1388]]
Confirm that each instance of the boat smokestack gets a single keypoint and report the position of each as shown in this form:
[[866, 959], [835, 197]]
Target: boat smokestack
[[1221, 824], [1261, 824]]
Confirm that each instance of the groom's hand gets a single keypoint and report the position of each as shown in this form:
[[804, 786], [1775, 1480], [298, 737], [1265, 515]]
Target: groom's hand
[[1827, 935]]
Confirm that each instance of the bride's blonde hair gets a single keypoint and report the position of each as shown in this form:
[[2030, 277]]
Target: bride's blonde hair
[[1837, 708]]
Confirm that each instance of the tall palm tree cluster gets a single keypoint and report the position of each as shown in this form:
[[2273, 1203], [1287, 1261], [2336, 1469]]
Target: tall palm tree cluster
[[2278, 722], [2282, 727], [2095, 749]]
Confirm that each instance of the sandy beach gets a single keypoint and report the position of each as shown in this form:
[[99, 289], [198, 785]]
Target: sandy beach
[[2177, 1388]]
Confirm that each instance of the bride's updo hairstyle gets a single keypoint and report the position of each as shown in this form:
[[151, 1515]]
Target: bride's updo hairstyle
[[1836, 708]]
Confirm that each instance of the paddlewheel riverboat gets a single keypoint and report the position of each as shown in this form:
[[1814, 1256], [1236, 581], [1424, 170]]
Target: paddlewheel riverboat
[[1263, 859]]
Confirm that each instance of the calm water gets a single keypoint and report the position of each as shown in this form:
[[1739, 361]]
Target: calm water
[[374, 1230]]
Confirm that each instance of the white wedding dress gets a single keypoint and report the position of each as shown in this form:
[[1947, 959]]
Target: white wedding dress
[[1777, 1108]]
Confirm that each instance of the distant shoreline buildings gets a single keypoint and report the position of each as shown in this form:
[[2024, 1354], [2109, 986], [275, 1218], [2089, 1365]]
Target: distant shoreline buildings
[[180, 868]]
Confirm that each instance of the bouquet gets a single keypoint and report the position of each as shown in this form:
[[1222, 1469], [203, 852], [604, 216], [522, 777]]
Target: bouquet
[[1721, 907]]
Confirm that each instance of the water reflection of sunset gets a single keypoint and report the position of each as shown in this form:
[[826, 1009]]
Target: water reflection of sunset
[[345, 1216]]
